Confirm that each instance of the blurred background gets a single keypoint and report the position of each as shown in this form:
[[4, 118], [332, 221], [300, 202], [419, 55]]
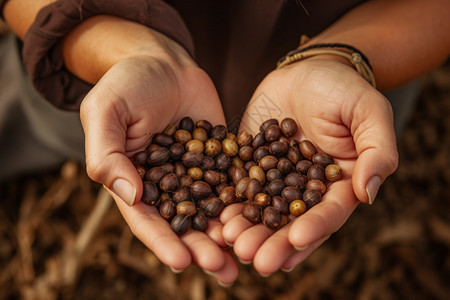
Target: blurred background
[[61, 237]]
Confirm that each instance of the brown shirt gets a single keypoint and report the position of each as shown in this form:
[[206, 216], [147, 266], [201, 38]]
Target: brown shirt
[[237, 42]]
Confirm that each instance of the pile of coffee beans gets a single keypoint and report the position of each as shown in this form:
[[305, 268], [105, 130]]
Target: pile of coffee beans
[[190, 172]]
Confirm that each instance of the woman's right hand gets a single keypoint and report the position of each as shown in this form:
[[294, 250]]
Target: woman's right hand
[[137, 97]]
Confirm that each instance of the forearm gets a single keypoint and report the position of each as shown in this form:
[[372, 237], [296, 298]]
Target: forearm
[[20, 14], [402, 39]]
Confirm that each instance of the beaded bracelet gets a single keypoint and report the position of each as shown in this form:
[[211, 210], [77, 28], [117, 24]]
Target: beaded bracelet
[[355, 57]]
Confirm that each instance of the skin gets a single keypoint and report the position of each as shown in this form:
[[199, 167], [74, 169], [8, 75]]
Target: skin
[[145, 81]]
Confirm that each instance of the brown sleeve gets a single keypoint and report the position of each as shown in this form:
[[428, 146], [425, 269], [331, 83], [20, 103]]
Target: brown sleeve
[[42, 49]]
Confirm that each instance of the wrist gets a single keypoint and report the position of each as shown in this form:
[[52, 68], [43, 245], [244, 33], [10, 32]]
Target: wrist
[[100, 42]]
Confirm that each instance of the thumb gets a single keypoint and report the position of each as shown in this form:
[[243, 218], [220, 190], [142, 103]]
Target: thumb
[[374, 136], [105, 140]]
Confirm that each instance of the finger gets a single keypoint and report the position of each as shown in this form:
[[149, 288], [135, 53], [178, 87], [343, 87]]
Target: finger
[[300, 255], [272, 254], [230, 212], [234, 228], [326, 217], [375, 143], [250, 240], [214, 232], [155, 233], [229, 273], [204, 251]]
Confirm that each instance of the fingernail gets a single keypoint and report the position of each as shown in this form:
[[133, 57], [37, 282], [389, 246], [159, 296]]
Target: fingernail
[[265, 275], [124, 190], [301, 248], [245, 262], [372, 188], [229, 244], [224, 285], [176, 271], [287, 270], [210, 273]]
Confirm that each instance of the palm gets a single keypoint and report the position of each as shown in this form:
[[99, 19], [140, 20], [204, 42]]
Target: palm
[[330, 105]]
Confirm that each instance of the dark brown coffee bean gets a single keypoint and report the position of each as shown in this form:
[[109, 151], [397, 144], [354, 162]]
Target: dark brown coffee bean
[[180, 224], [297, 208], [236, 174], [219, 132], [213, 207], [163, 139], [179, 169], [288, 127], [228, 195], [223, 161], [218, 188], [237, 162], [200, 134], [169, 183], [254, 187], [186, 181], [318, 185], [323, 159], [241, 187], [213, 147], [278, 148], [150, 193], [303, 166], [200, 189], [208, 163], [296, 180], [316, 172], [182, 136], [159, 156], [206, 125], [249, 164], [244, 138], [311, 198], [275, 187], [256, 172], [212, 177], [164, 196], [246, 153], [285, 166], [260, 152], [262, 199], [272, 133], [141, 170], [200, 221], [177, 151], [271, 217], [155, 174], [167, 209], [266, 124], [187, 208], [187, 124], [333, 172], [181, 194], [192, 159], [258, 140], [280, 204], [307, 149], [252, 212], [140, 158], [291, 193], [273, 174], [152, 147], [293, 154]]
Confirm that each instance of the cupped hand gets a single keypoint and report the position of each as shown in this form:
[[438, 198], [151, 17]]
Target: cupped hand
[[344, 116], [137, 97]]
